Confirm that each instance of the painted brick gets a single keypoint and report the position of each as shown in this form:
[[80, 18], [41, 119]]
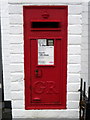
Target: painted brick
[[7, 95], [85, 14], [73, 96], [6, 52], [16, 29], [17, 95], [84, 33], [18, 104], [76, 9], [4, 40], [16, 49], [16, 39], [84, 70], [19, 1], [74, 59], [5, 47], [16, 58], [17, 86], [46, 1], [85, 17], [5, 31], [74, 39], [6, 70], [15, 9], [74, 19], [45, 113], [84, 55], [74, 68], [17, 68], [16, 19], [74, 49], [17, 77], [73, 78], [85, 27], [84, 66], [73, 87], [85, 6], [4, 8], [85, 39], [75, 29], [5, 22], [20, 113], [4, 13], [57, 114], [84, 46], [7, 86], [84, 52], [72, 105]]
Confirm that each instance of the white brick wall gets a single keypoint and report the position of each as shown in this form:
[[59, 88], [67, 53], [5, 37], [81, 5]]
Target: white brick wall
[[73, 78], [21, 113], [74, 19], [74, 39], [16, 29], [84, 47], [16, 39], [74, 49], [75, 29], [74, 59], [5, 49], [73, 87], [74, 68]]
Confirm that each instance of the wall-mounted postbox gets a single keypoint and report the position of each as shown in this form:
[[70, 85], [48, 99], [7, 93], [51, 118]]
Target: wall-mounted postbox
[[45, 56]]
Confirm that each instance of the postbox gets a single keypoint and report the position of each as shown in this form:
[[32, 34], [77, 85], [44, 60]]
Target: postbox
[[45, 56]]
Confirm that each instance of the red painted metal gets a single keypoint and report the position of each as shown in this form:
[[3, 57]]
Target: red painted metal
[[47, 89]]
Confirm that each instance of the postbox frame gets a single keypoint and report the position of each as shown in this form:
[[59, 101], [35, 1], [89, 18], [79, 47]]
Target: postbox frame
[[27, 75]]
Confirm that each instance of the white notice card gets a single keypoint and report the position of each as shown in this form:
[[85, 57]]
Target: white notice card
[[45, 53]]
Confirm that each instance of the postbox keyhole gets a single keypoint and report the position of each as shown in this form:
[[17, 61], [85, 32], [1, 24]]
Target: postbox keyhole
[[38, 72]]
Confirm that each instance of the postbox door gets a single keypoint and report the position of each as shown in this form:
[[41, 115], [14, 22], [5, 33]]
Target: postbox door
[[46, 70]]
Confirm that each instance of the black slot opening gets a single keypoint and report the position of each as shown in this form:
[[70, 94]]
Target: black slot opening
[[45, 25]]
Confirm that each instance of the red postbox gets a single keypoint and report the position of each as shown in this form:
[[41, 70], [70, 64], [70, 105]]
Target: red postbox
[[45, 56]]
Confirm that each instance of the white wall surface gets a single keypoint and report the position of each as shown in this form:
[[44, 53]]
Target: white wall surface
[[16, 63], [5, 49], [84, 47]]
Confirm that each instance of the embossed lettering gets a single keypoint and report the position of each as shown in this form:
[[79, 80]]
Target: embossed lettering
[[51, 87], [47, 87], [39, 87]]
